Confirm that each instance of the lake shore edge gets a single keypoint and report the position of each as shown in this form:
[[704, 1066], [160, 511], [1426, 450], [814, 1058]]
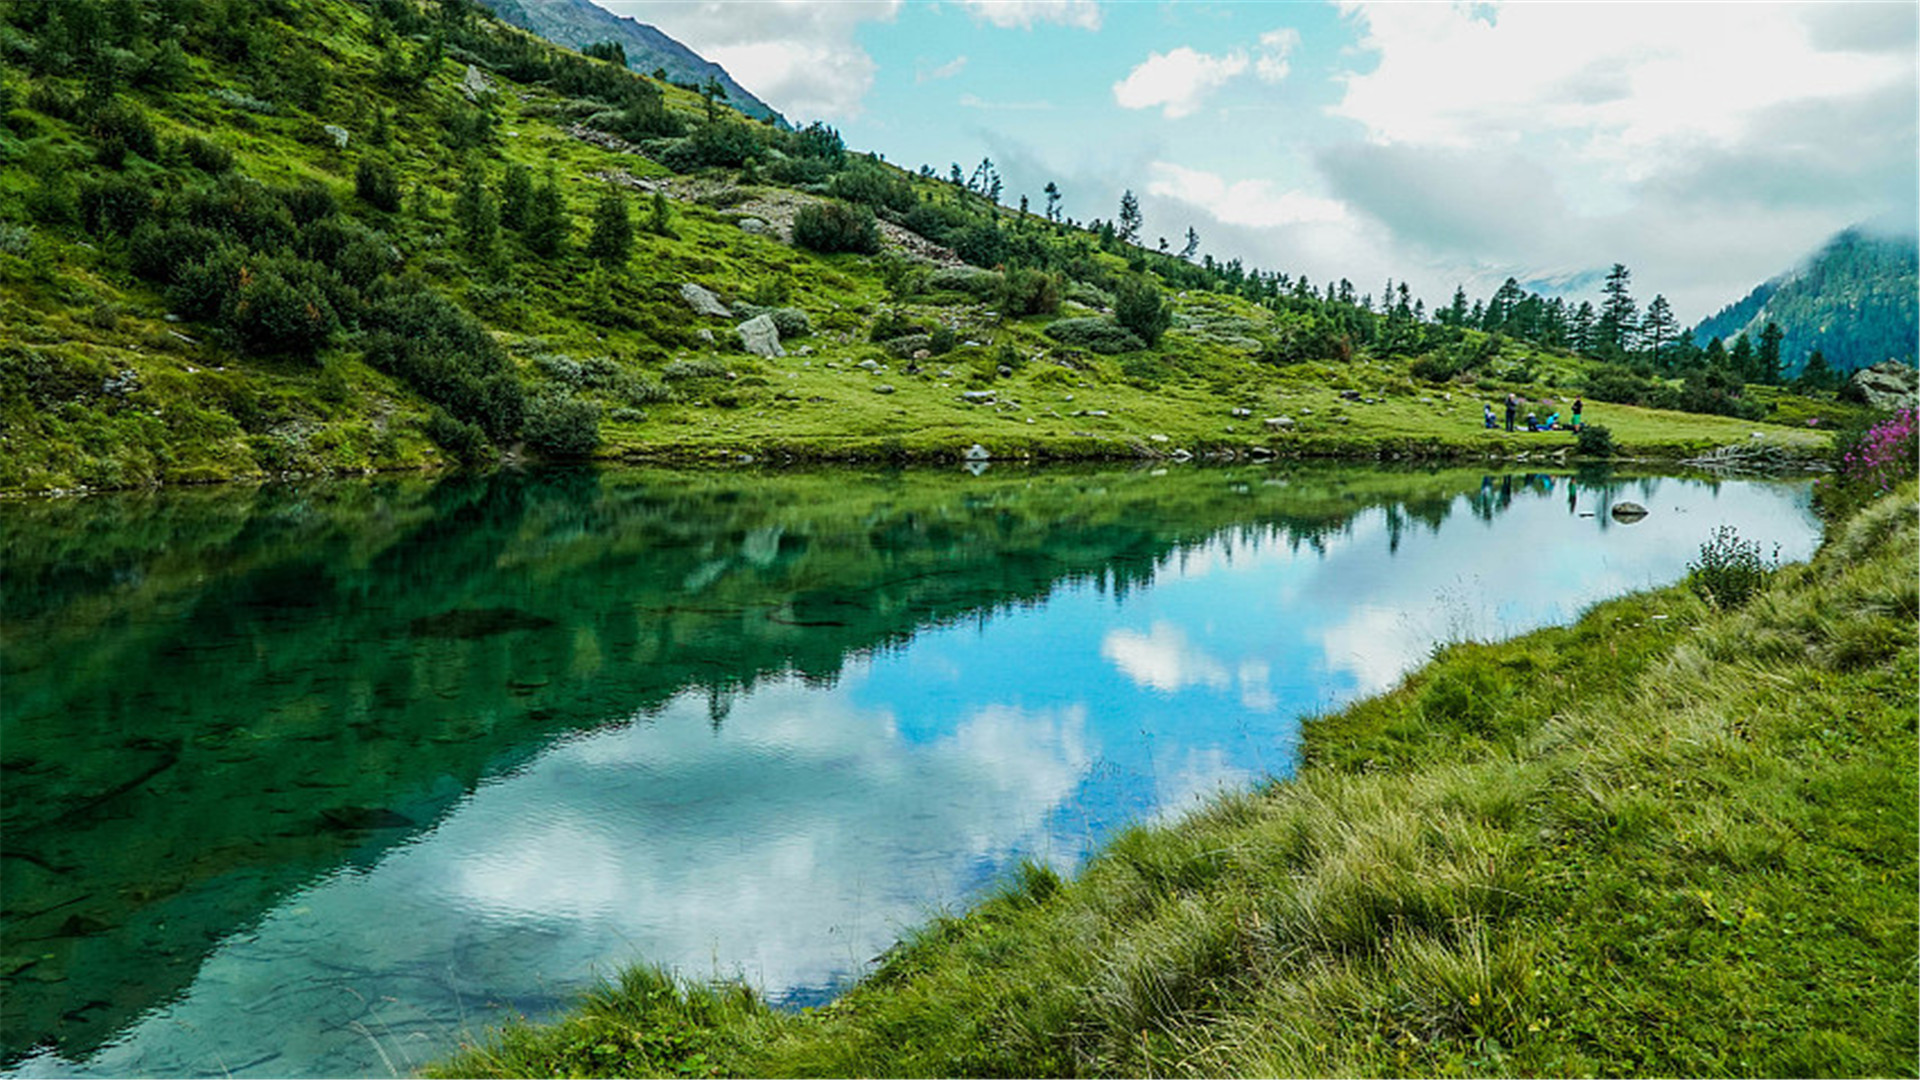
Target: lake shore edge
[[1668, 838]]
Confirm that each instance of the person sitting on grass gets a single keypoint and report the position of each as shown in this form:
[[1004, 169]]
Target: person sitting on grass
[[1491, 421], [1533, 422], [1552, 424]]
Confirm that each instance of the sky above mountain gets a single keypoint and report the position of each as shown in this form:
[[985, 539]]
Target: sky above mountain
[[1707, 146]]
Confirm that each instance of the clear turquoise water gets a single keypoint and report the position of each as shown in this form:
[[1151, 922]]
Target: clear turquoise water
[[314, 781]]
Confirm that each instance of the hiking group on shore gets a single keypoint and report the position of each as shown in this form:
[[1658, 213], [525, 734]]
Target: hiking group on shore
[[1533, 422]]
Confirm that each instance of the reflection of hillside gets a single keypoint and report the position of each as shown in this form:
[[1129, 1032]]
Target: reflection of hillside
[[214, 697]]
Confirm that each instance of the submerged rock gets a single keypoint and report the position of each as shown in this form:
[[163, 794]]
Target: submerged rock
[[1626, 513]]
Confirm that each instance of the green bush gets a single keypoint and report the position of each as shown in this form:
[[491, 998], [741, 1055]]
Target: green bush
[[280, 308], [206, 155], [562, 425], [466, 442], [1728, 571], [874, 186], [162, 253], [1030, 292], [116, 205], [1139, 306], [433, 345], [975, 282], [791, 322], [1594, 440], [830, 227], [377, 184], [1099, 335], [889, 325], [693, 369], [119, 128]]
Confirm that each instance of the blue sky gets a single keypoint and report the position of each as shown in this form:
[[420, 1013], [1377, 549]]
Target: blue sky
[[1707, 146]]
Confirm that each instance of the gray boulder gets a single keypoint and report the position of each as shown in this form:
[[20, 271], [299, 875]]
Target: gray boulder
[[1888, 384], [1626, 513], [474, 84], [760, 337], [340, 136], [703, 302]]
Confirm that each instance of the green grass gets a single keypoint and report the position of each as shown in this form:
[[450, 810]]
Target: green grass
[[1665, 840]]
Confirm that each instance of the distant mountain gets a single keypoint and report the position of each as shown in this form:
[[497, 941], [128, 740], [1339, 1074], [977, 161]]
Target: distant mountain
[[1855, 301], [579, 23]]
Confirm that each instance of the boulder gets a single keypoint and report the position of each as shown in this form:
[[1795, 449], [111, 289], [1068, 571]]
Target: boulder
[[976, 452], [338, 134], [1887, 385], [978, 397], [474, 84], [759, 336], [703, 302], [1626, 513], [1280, 423], [883, 388], [755, 226], [1242, 413]]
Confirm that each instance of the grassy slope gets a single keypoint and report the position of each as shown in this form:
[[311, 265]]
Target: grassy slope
[[204, 412], [1665, 840]]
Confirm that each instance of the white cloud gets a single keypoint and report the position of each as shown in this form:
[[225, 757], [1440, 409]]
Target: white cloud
[[1163, 659], [1259, 203], [1276, 46], [924, 74], [1084, 14], [1176, 81]]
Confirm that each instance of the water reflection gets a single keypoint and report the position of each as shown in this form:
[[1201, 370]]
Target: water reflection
[[475, 742]]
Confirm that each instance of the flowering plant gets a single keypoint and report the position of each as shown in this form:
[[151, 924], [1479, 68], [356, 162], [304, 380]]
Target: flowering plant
[[1870, 462]]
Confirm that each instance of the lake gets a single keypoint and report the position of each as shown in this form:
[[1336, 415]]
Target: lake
[[315, 779]]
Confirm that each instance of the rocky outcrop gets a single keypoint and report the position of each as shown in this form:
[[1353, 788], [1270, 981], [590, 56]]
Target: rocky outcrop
[[760, 337], [703, 302], [1887, 385]]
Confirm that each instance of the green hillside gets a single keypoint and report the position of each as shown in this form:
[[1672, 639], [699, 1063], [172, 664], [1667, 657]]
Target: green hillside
[[245, 238], [1857, 301]]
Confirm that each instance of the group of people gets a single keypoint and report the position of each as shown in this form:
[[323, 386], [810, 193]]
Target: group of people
[[1534, 423]]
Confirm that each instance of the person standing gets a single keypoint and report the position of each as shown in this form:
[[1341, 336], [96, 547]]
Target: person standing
[[1513, 406], [1578, 404]]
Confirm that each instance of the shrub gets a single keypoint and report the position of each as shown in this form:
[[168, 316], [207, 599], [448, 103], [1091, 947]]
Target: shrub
[[1030, 292], [1868, 462], [791, 322], [466, 442], [1618, 385], [206, 155], [980, 244], [1089, 295], [377, 184], [309, 202], [830, 227], [941, 341], [280, 308], [693, 369], [1729, 570], [1139, 306], [1099, 335], [163, 253], [562, 425], [977, 283], [115, 205], [1594, 440], [120, 128], [872, 185], [889, 325], [433, 345], [15, 239]]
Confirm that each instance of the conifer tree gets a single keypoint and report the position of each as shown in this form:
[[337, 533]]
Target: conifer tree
[[1766, 360], [611, 241], [476, 212], [1617, 323], [1130, 220], [1052, 191], [546, 230], [516, 196], [1659, 328]]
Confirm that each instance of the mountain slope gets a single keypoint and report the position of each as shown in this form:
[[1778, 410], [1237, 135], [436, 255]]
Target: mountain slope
[[579, 23], [1854, 301]]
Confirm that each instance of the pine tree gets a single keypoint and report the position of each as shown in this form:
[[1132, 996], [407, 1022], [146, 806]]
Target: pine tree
[[1766, 361], [1130, 220], [1052, 191], [611, 242], [546, 230], [516, 196], [1193, 244], [1617, 324], [1456, 313], [476, 212], [660, 217], [1580, 328], [1659, 328]]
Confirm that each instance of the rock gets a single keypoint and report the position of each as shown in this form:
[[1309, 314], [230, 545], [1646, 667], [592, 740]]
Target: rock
[[1158, 438], [1096, 412], [922, 354], [1887, 385], [759, 336], [1005, 371], [1181, 455], [754, 226], [1242, 414], [804, 350], [1350, 395], [1626, 513], [1261, 452], [703, 302], [339, 135], [883, 388], [1280, 423], [474, 84], [978, 397], [976, 452], [705, 335], [870, 365]]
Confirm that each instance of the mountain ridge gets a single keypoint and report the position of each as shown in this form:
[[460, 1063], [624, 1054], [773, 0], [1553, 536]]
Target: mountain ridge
[[579, 23], [1854, 300]]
